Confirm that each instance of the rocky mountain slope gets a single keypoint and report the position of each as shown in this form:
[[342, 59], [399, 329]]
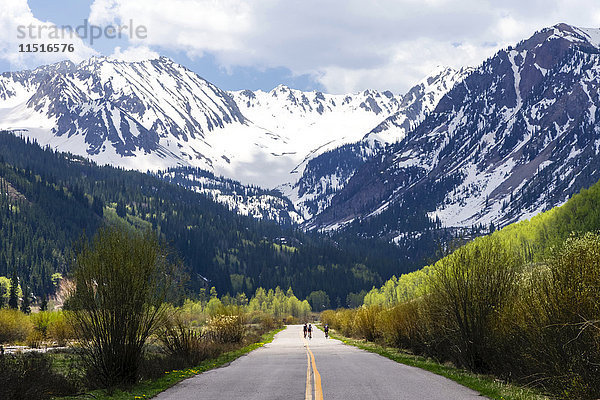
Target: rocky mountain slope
[[327, 173], [156, 114], [518, 135]]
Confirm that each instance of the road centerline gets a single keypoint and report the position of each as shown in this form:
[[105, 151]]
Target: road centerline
[[318, 389]]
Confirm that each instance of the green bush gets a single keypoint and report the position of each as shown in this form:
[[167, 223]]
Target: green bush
[[556, 320], [225, 328], [60, 330], [35, 339], [14, 326], [401, 325], [466, 293], [121, 281], [364, 324], [30, 376], [41, 322], [181, 342]]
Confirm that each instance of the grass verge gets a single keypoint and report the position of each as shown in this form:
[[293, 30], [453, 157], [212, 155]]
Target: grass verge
[[486, 385], [150, 388]]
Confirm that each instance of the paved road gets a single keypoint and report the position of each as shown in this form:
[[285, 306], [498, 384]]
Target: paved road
[[293, 368]]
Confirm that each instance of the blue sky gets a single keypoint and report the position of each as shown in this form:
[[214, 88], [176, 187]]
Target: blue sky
[[337, 46], [73, 12]]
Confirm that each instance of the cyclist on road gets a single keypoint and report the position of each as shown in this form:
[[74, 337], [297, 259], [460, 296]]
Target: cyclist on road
[[305, 330], [309, 331], [326, 330]]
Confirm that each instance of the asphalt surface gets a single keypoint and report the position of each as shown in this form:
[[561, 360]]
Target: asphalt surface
[[294, 368]]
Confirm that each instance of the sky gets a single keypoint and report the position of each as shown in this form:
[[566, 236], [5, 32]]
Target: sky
[[337, 46]]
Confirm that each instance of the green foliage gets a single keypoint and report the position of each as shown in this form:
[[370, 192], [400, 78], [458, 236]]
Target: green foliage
[[4, 290], [49, 199], [466, 292], [52, 326], [397, 290], [364, 324], [25, 302], [319, 300], [121, 281], [354, 300], [13, 298], [279, 304], [60, 330], [14, 326], [30, 376], [553, 323], [225, 328]]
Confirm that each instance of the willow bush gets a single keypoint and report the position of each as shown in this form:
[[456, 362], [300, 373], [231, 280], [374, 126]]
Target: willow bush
[[402, 326], [14, 326], [121, 280], [556, 321], [484, 308], [466, 294]]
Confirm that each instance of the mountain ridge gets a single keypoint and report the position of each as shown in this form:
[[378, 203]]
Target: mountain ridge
[[498, 147]]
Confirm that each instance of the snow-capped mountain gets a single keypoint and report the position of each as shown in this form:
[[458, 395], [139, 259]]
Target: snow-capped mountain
[[313, 121], [245, 200], [145, 115], [416, 104], [326, 174], [520, 134], [156, 114]]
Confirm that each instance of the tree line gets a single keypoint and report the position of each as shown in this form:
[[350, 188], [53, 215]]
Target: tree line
[[48, 200]]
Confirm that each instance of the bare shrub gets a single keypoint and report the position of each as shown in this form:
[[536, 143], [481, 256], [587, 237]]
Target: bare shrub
[[184, 343]]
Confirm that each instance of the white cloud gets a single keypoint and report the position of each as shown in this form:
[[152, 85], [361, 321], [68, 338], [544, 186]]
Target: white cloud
[[19, 26], [134, 53], [347, 45]]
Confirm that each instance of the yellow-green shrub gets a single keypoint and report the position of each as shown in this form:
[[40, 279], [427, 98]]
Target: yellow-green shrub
[[364, 324], [225, 328], [14, 326], [401, 325], [329, 317], [555, 320], [466, 293], [34, 339], [60, 330]]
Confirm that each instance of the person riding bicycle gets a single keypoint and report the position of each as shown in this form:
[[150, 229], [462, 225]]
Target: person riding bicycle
[[309, 331], [326, 330], [305, 330]]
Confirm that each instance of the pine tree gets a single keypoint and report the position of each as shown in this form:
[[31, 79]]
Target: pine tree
[[13, 298], [44, 304], [121, 210], [25, 303], [2, 293]]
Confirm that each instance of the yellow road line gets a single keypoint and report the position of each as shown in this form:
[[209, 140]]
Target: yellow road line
[[318, 387], [308, 395]]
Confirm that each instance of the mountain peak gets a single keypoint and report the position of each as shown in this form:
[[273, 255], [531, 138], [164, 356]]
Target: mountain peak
[[568, 33]]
